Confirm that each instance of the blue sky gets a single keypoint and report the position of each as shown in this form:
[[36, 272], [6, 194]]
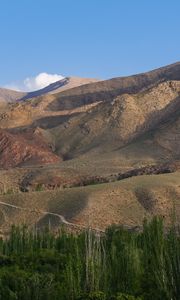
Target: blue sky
[[87, 38]]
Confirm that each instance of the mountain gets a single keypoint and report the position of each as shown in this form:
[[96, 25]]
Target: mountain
[[58, 86], [118, 138], [10, 96], [114, 124], [17, 149], [7, 95]]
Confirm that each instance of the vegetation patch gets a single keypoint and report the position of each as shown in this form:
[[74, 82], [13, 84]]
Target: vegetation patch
[[117, 265]]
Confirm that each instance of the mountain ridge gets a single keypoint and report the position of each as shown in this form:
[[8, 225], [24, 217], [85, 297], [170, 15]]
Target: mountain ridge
[[9, 95], [74, 150]]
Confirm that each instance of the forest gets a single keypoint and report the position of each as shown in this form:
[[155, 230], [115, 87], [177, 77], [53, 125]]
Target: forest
[[120, 264]]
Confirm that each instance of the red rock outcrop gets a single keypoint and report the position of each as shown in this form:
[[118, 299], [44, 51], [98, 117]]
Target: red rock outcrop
[[17, 150]]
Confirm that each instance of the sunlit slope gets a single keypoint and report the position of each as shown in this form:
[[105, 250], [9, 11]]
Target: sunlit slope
[[124, 202]]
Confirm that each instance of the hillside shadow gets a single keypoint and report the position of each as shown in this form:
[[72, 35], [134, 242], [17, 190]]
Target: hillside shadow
[[109, 89], [52, 121], [72, 102], [69, 206], [50, 88], [155, 121]]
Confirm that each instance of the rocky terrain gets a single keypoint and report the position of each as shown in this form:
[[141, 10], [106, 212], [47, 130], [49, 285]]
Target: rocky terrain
[[18, 149], [96, 152], [7, 95]]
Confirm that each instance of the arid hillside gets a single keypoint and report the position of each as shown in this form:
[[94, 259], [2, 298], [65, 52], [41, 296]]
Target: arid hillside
[[7, 95], [59, 86], [95, 152]]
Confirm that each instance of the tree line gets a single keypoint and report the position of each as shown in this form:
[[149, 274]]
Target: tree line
[[117, 265]]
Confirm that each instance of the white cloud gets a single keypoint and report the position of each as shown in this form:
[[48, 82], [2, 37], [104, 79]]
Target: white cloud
[[35, 83]]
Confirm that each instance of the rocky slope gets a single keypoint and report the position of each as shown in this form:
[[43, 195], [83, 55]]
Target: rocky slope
[[59, 86], [11, 96], [7, 95], [96, 135], [115, 123], [19, 150], [109, 89]]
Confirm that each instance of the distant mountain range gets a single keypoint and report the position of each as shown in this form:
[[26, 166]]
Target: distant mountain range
[[7, 95], [118, 138]]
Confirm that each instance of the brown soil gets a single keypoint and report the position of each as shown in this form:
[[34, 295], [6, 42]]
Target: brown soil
[[79, 143]]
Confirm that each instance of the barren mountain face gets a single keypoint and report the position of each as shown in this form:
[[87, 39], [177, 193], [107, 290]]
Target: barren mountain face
[[122, 135], [10, 95]]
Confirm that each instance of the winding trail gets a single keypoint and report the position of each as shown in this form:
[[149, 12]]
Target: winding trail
[[62, 218]]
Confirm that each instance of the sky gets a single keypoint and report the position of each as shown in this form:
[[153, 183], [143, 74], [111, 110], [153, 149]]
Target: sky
[[43, 39]]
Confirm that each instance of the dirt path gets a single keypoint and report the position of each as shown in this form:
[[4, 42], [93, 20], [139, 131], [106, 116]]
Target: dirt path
[[62, 218]]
